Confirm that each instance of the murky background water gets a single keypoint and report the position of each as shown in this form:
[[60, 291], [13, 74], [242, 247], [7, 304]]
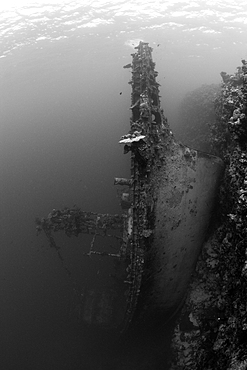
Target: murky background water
[[64, 103]]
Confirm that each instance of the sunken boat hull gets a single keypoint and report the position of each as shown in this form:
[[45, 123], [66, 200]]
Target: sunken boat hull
[[184, 197], [173, 192], [167, 204]]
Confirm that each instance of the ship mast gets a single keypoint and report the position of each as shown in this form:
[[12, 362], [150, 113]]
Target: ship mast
[[145, 140]]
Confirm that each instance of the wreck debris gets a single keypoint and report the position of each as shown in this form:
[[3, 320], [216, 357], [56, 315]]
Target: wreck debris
[[74, 221]]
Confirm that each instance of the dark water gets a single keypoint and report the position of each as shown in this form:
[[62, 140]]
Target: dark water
[[61, 117], [59, 136]]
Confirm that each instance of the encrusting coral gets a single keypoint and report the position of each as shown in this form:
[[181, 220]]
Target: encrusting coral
[[211, 332]]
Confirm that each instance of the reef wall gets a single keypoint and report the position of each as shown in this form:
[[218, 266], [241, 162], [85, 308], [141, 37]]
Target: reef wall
[[211, 332]]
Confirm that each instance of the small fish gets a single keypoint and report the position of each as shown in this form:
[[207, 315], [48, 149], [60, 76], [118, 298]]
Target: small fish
[[127, 66]]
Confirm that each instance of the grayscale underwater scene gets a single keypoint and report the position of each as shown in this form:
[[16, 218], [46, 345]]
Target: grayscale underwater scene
[[123, 179]]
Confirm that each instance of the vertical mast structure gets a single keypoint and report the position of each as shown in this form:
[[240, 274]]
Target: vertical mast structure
[[148, 127]]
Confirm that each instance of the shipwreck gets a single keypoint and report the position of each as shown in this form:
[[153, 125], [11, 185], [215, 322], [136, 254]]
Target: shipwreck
[[167, 204]]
